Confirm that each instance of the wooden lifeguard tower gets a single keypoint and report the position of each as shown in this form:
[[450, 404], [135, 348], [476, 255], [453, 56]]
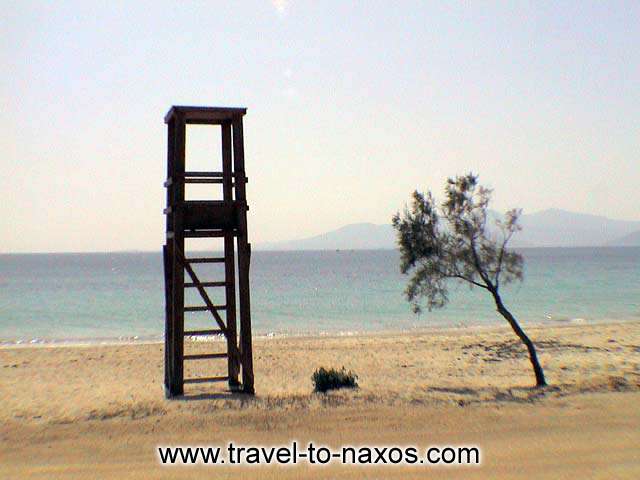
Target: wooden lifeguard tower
[[226, 219]]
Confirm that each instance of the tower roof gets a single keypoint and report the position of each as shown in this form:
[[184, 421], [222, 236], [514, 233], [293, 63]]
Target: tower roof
[[204, 115]]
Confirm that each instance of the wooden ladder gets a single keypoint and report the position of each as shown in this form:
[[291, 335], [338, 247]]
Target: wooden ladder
[[232, 353]]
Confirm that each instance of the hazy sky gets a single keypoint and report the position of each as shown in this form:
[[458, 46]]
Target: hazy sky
[[351, 106]]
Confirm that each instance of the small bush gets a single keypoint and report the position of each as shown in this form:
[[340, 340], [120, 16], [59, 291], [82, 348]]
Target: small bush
[[331, 379]]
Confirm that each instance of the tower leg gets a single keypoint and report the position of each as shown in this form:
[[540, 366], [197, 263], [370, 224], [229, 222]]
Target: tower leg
[[229, 262], [244, 258], [176, 381], [230, 292], [168, 312], [177, 269], [246, 348]]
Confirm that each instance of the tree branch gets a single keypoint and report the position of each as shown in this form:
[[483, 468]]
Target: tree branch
[[506, 238], [476, 262], [470, 281]]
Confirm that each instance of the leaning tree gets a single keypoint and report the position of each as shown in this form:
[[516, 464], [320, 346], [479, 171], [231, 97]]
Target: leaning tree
[[453, 242]]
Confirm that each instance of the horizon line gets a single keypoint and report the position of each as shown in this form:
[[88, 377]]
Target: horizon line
[[88, 252]]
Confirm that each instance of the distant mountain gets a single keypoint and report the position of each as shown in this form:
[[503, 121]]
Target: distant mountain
[[630, 240], [548, 228], [357, 236], [559, 228]]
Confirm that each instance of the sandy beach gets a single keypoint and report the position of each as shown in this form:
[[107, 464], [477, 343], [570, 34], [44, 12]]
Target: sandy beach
[[99, 411]]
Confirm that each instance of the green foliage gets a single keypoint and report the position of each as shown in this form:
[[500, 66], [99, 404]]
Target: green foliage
[[331, 379], [453, 241]]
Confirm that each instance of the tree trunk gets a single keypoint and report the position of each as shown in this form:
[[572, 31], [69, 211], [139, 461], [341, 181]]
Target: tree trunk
[[533, 357]]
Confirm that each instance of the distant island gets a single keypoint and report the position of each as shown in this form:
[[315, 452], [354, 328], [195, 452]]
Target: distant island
[[548, 228]]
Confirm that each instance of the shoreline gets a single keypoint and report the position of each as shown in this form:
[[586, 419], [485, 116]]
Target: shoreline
[[37, 342]]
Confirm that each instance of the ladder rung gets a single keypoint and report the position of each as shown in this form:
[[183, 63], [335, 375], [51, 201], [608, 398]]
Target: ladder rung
[[205, 177], [203, 180], [205, 284], [205, 356], [199, 333], [206, 260], [208, 233], [204, 174], [204, 308], [205, 233], [206, 379]]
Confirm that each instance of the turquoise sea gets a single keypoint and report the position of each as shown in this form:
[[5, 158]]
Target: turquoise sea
[[99, 296]]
